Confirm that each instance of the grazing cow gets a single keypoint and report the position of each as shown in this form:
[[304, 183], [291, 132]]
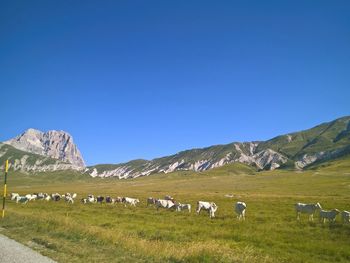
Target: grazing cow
[[110, 200], [151, 201], [21, 199], [99, 199], [91, 199], [14, 195], [131, 201], [31, 197], [84, 200], [47, 197], [240, 210], [345, 216], [329, 215], [70, 198], [180, 207], [211, 207], [165, 203], [40, 196], [56, 197], [307, 209], [119, 199]]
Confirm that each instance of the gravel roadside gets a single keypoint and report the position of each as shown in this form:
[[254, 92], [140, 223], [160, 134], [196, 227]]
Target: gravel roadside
[[14, 252]]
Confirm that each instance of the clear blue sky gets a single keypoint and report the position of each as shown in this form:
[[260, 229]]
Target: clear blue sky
[[143, 79]]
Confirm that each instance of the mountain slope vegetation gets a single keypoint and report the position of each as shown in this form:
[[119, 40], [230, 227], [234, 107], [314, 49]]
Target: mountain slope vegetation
[[297, 150], [30, 162]]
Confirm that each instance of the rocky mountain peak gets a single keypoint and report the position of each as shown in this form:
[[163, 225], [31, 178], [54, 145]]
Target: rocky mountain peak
[[33, 132], [55, 150], [55, 144]]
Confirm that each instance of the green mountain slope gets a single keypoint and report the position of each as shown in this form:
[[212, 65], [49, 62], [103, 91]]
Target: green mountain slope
[[296, 150], [328, 136], [29, 162]]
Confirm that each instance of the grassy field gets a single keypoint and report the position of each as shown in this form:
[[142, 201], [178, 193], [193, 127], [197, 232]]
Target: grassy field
[[113, 233]]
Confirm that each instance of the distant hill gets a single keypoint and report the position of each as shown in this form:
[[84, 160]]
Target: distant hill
[[297, 150], [54, 150]]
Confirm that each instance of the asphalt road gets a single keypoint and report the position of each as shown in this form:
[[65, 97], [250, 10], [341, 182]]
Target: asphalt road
[[14, 252]]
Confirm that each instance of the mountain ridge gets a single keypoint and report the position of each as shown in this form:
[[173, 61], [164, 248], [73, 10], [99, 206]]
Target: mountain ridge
[[295, 150]]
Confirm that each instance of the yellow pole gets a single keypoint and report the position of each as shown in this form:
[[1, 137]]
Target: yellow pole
[[5, 188]]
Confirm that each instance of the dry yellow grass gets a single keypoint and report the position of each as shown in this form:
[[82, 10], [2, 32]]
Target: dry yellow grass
[[113, 233]]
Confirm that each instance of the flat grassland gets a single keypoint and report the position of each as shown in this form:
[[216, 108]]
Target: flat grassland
[[114, 233]]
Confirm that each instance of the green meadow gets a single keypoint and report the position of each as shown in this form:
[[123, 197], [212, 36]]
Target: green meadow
[[114, 233]]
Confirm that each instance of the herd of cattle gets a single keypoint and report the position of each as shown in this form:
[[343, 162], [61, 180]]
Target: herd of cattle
[[68, 197], [169, 203], [324, 215]]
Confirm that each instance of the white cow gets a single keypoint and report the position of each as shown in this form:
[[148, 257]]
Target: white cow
[[164, 203], [74, 195], [211, 207], [240, 210], [328, 215], [307, 209], [14, 195], [180, 207], [345, 216], [21, 199], [40, 196], [131, 201], [91, 199], [69, 198], [31, 197]]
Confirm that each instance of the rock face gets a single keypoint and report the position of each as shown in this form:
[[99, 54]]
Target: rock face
[[27, 162], [54, 150], [296, 150], [55, 144], [195, 160]]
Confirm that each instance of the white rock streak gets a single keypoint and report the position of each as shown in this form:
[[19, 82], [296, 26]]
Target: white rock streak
[[241, 152]]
